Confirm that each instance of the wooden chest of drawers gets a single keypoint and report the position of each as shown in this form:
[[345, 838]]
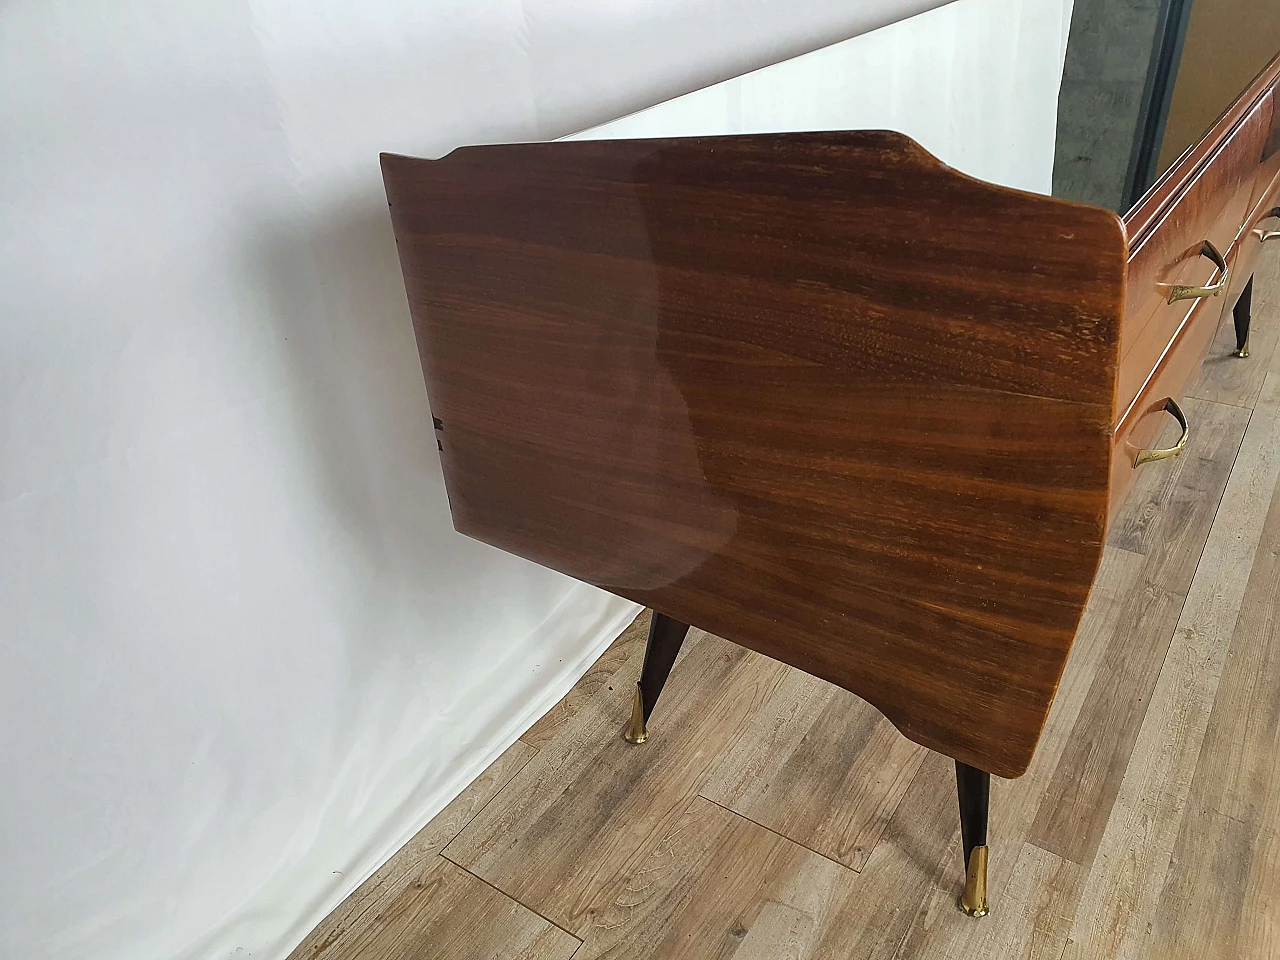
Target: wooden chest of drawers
[[1223, 192], [824, 396]]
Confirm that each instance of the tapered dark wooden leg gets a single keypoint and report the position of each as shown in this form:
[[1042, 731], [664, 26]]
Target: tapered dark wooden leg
[[974, 788], [665, 637], [1241, 314]]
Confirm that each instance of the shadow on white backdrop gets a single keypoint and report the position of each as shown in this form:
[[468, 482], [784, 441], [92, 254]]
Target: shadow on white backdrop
[[243, 655]]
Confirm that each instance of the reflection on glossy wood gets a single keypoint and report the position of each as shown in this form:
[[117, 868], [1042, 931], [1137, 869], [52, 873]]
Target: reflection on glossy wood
[[797, 390]]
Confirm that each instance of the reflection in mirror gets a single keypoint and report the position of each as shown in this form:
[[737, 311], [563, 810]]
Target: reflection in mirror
[[1142, 82], [1145, 81]]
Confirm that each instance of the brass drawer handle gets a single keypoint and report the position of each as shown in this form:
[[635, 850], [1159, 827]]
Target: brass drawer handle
[[1180, 292], [1146, 456], [1265, 235]]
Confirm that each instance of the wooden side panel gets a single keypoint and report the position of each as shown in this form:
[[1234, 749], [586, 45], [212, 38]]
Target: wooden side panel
[[815, 393]]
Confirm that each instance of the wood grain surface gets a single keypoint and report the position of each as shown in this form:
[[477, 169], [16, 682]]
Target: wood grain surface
[[799, 390], [816, 765], [622, 801], [1227, 851]]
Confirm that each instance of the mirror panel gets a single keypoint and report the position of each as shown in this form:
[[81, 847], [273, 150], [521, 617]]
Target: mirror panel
[[1144, 82]]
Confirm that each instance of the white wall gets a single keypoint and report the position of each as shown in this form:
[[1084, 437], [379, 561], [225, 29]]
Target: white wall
[[243, 655], [976, 83]]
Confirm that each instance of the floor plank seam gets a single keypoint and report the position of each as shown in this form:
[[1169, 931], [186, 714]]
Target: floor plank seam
[[1213, 809], [842, 866], [494, 797], [1224, 403], [1217, 507], [1115, 546], [906, 935], [502, 893], [1185, 859], [1027, 841]]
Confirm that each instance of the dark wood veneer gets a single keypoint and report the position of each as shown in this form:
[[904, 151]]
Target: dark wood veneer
[[798, 390]]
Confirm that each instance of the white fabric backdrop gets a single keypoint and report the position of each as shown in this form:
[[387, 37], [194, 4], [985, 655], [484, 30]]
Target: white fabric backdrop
[[974, 82], [243, 656]]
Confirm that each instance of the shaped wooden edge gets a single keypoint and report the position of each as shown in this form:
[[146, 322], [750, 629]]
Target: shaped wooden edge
[[1015, 316]]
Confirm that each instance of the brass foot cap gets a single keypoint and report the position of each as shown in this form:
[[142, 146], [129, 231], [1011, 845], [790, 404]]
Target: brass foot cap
[[1242, 353], [973, 901], [636, 731]]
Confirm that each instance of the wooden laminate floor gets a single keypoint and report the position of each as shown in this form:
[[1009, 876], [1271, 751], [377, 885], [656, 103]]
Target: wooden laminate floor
[[772, 815]]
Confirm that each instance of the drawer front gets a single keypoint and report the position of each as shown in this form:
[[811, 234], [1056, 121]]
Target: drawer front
[[1139, 364], [1262, 221], [1211, 203], [1139, 429]]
